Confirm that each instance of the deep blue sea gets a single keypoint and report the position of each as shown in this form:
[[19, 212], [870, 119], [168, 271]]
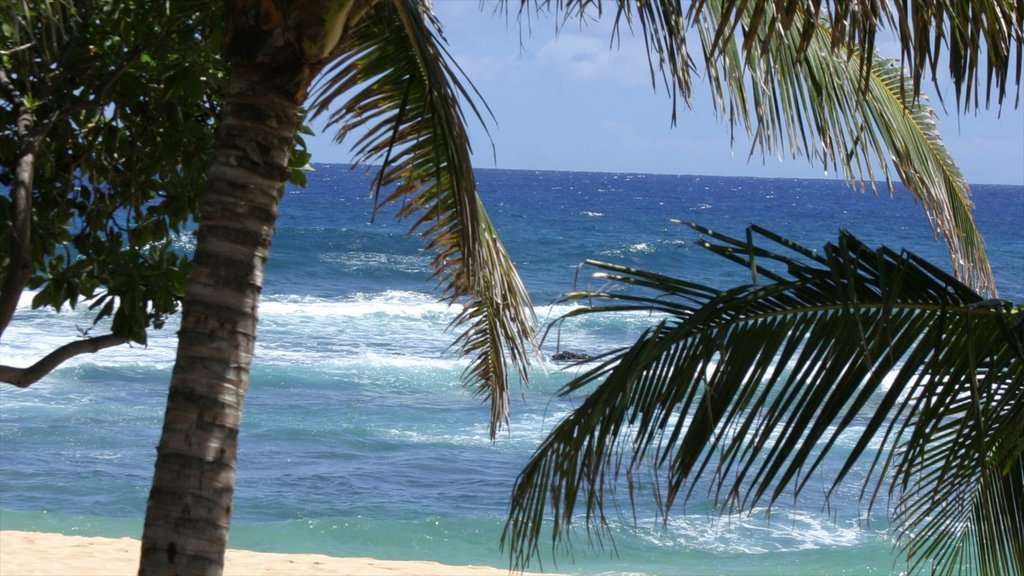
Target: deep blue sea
[[358, 438]]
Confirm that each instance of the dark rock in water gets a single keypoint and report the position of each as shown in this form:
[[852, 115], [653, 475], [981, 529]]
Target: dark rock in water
[[567, 356]]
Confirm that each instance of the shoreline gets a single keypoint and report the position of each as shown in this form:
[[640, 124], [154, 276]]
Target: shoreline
[[45, 554]]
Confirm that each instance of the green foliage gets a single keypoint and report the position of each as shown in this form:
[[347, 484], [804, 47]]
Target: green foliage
[[978, 39], [298, 162], [849, 109], [805, 80], [398, 84], [124, 96], [750, 387]]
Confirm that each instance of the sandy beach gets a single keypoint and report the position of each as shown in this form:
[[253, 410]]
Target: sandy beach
[[43, 554]]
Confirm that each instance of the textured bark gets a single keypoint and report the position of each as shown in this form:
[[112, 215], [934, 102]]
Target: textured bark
[[274, 49], [189, 506]]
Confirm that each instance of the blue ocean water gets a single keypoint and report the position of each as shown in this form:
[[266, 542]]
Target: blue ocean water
[[358, 438]]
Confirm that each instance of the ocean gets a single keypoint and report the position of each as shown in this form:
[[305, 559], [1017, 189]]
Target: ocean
[[358, 438]]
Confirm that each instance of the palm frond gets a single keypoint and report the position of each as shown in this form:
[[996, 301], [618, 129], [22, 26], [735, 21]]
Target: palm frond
[[966, 29], [751, 387], [401, 90], [848, 110], [805, 79], [980, 39]]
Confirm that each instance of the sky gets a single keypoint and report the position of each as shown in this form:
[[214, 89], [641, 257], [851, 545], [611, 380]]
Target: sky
[[572, 101]]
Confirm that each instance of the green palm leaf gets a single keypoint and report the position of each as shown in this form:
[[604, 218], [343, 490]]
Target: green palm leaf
[[851, 114], [804, 79], [401, 91], [978, 38], [751, 387]]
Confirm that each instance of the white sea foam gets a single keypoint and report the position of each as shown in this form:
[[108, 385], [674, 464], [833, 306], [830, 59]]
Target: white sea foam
[[470, 437], [632, 249], [389, 303], [25, 300], [397, 328], [350, 261], [756, 532], [185, 242], [403, 361], [349, 354]]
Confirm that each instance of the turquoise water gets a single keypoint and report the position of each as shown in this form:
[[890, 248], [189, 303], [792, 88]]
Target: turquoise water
[[358, 438]]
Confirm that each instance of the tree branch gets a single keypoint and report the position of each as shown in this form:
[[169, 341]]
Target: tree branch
[[19, 269], [25, 377]]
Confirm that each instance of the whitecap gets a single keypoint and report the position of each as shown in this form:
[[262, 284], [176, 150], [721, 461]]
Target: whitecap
[[756, 532], [362, 261], [389, 303]]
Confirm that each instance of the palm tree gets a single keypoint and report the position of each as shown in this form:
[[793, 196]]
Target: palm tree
[[719, 357], [389, 53], [750, 387]]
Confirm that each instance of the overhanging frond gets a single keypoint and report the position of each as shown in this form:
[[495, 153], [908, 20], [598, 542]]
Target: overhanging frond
[[850, 110], [804, 79], [400, 89], [751, 387], [976, 40]]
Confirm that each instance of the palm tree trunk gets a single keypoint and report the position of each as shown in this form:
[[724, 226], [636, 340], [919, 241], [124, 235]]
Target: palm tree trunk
[[189, 508]]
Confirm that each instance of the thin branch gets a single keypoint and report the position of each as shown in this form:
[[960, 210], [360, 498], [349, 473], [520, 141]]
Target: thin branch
[[15, 49], [25, 377]]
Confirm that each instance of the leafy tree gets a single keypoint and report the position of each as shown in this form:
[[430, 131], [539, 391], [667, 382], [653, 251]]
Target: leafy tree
[[108, 110], [750, 388]]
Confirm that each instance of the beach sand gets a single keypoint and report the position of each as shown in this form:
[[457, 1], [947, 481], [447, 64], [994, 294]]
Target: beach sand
[[43, 554]]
